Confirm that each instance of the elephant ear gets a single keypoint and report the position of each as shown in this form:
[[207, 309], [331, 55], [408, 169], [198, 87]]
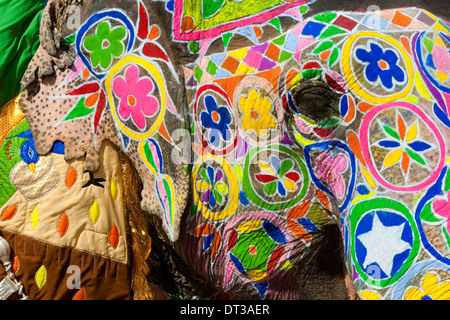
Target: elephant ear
[[122, 97]]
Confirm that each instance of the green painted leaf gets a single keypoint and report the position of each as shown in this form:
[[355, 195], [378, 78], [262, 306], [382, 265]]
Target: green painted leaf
[[286, 165], [218, 196], [226, 38], [284, 55], [323, 46], [78, 111], [429, 44], [333, 57], [331, 31], [280, 40], [428, 215], [326, 16], [311, 73], [391, 132], [270, 188], [276, 23], [415, 156], [204, 175]]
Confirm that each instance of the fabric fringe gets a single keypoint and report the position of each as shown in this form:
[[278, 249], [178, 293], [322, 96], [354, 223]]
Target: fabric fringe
[[140, 241]]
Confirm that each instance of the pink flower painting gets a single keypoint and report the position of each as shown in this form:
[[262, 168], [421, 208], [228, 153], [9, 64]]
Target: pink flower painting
[[135, 100], [329, 169]]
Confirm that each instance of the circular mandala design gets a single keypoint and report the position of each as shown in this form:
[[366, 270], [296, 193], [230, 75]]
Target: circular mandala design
[[214, 119], [432, 53], [103, 39], [403, 148], [215, 188], [275, 177], [377, 67], [136, 92], [257, 246], [384, 240]]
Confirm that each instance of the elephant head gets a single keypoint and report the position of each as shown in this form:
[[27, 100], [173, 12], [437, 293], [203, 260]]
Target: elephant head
[[260, 138]]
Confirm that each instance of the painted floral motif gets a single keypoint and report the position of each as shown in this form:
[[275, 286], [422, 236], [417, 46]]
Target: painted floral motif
[[442, 208], [330, 169], [278, 176], [105, 44], [212, 186], [381, 65], [256, 247], [257, 113], [437, 56], [134, 97], [404, 145], [217, 120], [431, 289]]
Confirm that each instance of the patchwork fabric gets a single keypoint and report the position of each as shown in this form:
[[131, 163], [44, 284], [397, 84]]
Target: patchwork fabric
[[47, 202]]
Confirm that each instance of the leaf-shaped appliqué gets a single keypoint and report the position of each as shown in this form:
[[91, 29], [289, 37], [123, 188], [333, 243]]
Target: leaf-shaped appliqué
[[71, 177], [113, 237], [9, 213], [63, 224], [41, 276]]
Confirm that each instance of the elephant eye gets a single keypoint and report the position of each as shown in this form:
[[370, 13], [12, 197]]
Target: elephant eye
[[315, 100]]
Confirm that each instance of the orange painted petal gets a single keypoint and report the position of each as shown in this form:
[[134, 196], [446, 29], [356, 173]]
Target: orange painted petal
[[405, 162], [215, 246], [299, 211], [163, 131], [298, 230], [80, 295], [114, 237], [203, 230], [63, 224], [401, 127], [154, 33], [325, 55], [353, 143], [9, 213], [85, 73], [91, 100], [71, 177], [323, 199], [406, 44], [258, 31], [365, 107]]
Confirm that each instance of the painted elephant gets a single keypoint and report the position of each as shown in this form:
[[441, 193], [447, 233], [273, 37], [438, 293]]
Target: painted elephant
[[266, 138]]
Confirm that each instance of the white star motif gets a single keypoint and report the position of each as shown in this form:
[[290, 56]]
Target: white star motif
[[383, 244]]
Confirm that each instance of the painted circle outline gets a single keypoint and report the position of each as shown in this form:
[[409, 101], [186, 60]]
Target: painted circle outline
[[154, 72], [385, 203], [248, 187], [96, 18], [353, 83], [203, 139], [234, 187], [364, 140]]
